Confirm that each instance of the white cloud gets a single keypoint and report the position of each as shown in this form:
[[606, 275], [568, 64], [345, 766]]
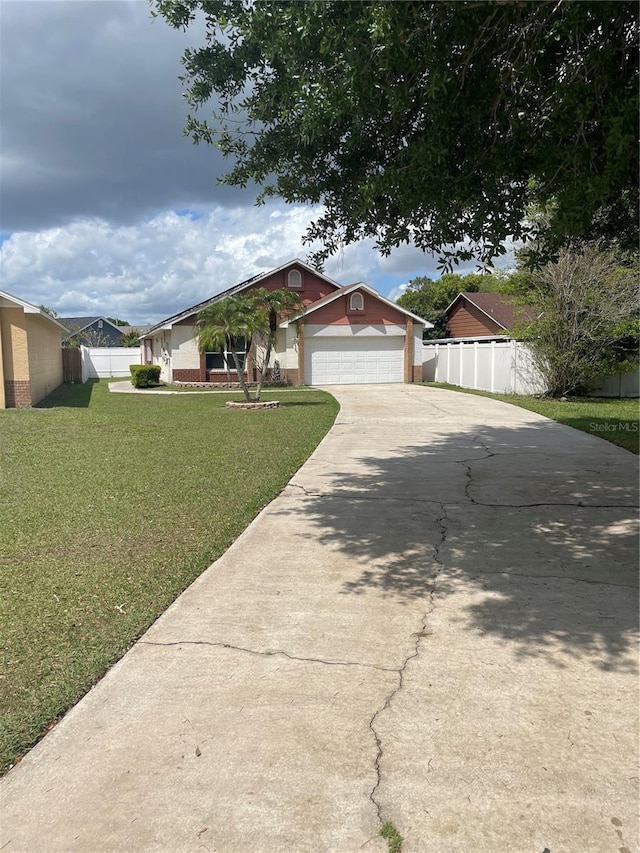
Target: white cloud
[[153, 269], [395, 292], [148, 271]]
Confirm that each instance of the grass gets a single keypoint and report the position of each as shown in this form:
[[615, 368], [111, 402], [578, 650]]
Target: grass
[[111, 505], [392, 837], [616, 420]]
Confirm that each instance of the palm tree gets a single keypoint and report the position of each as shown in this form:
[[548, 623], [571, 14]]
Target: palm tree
[[275, 306], [222, 323]]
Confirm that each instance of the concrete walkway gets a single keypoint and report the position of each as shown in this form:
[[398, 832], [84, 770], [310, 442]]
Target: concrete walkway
[[432, 625]]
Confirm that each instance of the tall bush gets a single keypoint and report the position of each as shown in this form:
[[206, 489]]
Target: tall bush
[[588, 326]]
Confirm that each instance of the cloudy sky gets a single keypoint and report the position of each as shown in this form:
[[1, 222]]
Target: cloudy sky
[[105, 207]]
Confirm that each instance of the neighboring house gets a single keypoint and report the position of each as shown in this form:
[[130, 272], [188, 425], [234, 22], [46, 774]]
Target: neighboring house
[[342, 335], [477, 315], [30, 353], [92, 331]]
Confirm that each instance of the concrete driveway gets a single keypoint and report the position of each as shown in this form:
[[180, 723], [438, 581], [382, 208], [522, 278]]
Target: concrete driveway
[[432, 625]]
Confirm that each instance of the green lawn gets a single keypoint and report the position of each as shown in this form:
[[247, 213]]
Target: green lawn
[[609, 418], [111, 504]]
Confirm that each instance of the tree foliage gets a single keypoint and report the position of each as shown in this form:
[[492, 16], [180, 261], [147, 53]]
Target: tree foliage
[[130, 339], [49, 311], [274, 306], [221, 324], [437, 123], [253, 316], [588, 327]]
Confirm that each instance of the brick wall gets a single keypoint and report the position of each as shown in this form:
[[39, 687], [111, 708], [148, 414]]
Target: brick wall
[[290, 376], [17, 393], [184, 375]]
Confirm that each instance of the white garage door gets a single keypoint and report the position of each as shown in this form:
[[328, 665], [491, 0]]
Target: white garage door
[[353, 360]]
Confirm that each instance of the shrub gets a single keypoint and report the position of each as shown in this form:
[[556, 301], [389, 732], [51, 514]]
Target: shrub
[[144, 375]]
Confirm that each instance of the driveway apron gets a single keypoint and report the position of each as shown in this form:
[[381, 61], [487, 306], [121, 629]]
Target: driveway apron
[[433, 625]]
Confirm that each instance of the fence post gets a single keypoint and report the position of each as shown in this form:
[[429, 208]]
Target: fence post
[[493, 367], [448, 362], [475, 365], [461, 345]]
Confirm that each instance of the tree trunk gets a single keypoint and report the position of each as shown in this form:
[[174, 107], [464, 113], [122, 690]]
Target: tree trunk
[[241, 379], [262, 375]]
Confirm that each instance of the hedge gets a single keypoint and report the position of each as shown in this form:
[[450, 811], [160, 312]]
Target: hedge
[[144, 375]]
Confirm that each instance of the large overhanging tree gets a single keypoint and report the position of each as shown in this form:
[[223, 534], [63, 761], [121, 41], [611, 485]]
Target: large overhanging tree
[[436, 123]]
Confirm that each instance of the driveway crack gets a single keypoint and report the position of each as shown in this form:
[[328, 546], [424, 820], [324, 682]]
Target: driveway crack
[[269, 653], [361, 496], [419, 636], [581, 504]]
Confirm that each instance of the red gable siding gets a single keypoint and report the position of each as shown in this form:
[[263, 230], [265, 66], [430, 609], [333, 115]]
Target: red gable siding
[[376, 313], [313, 287]]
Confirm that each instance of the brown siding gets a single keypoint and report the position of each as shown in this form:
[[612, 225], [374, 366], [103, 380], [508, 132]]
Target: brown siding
[[466, 321]]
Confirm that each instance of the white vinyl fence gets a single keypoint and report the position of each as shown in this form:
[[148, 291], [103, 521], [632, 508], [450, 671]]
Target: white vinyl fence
[[504, 367], [101, 362]]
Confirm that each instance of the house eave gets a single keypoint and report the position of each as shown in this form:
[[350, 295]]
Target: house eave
[[28, 308]]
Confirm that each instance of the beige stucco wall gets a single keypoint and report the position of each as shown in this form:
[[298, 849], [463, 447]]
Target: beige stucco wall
[[15, 344], [288, 348], [30, 352], [417, 344], [184, 349], [44, 356]]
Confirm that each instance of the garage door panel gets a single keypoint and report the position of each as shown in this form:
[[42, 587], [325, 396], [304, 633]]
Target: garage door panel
[[357, 360]]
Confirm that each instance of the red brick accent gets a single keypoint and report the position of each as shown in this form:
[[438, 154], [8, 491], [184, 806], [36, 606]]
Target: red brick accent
[[290, 376], [186, 376], [220, 377], [417, 373], [17, 393]]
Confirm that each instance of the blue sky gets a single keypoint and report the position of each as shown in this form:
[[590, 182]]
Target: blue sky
[[106, 207]]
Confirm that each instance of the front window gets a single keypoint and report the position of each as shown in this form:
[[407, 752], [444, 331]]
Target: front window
[[223, 359]]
